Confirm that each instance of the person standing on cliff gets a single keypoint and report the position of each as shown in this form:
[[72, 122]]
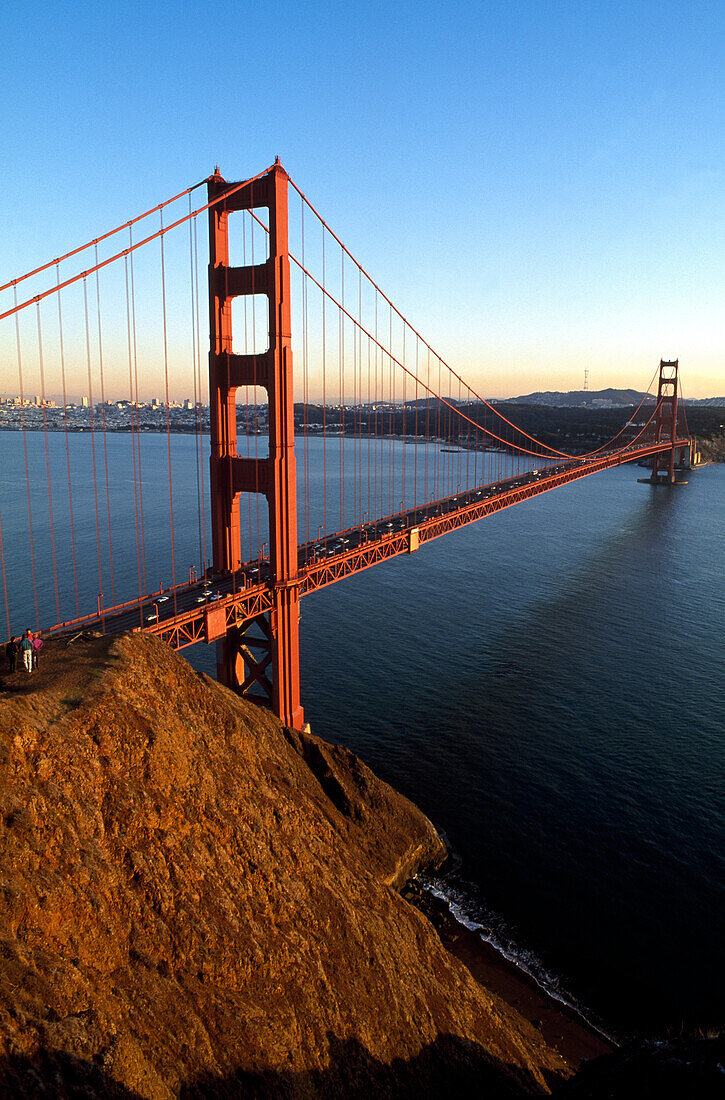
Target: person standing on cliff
[[27, 647], [37, 643], [11, 652]]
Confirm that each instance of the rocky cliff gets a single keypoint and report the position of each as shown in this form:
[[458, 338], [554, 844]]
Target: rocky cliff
[[198, 902]]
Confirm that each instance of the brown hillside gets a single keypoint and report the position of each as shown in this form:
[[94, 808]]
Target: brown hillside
[[198, 902]]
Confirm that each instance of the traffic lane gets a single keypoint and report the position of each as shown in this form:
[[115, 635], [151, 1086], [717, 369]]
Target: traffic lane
[[202, 592]]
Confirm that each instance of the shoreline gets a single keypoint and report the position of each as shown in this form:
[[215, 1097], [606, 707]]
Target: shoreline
[[149, 428], [566, 1030]]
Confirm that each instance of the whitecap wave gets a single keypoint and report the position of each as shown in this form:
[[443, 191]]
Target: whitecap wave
[[468, 909]]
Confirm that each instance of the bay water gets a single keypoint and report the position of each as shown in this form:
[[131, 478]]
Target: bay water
[[548, 685]]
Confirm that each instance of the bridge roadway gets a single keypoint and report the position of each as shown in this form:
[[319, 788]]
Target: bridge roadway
[[202, 610]]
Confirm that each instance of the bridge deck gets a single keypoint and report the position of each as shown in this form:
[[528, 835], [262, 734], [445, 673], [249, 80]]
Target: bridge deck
[[199, 611]]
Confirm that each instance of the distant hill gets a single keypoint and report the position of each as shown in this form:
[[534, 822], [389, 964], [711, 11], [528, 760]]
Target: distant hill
[[597, 399]]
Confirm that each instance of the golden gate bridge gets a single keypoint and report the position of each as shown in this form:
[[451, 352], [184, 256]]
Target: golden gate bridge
[[409, 451]]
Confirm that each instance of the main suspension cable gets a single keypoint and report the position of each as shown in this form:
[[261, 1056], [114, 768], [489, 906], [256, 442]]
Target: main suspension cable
[[132, 248], [104, 236], [405, 321], [397, 362]]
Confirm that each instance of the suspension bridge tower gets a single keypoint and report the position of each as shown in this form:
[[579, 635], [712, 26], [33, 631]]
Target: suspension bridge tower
[[663, 463], [271, 676]]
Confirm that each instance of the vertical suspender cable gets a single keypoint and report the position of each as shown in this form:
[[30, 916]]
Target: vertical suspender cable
[[105, 439], [197, 440], [247, 444], [353, 512], [468, 444], [427, 429], [370, 422], [415, 444], [376, 410], [681, 411], [341, 352], [390, 418], [200, 401], [305, 382], [47, 464], [138, 433], [256, 409], [436, 451], [383, 418], [27, 467], [358, 399], [134, 430], [353, 520], [67, 445], [476, 441], [458, 442], [404, 449], [448, 461], [168, 423], [5, 580], [93, 439], [324, 394]]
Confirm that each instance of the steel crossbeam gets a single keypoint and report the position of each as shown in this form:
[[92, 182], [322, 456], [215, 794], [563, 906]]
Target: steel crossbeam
[[190, 627]]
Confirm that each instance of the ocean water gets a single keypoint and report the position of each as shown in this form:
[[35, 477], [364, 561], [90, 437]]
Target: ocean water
[[548, 685]]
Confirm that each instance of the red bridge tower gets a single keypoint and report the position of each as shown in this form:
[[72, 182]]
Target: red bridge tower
[[663, 464], [274, 476]]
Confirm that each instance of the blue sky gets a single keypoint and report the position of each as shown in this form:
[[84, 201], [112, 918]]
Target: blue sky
[[538, 186]]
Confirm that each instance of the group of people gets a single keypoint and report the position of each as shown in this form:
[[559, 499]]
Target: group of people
[[26, 648]]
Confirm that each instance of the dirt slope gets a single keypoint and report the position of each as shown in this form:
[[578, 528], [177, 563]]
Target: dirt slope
[[196, 901]]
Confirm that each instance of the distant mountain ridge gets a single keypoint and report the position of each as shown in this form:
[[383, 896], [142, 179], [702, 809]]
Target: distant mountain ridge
[[597, 399]]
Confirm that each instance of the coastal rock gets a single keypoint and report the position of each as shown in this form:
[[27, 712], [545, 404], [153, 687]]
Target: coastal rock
[[198, 902], [654, 1069]]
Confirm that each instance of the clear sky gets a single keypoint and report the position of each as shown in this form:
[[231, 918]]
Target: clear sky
[[539, 186]]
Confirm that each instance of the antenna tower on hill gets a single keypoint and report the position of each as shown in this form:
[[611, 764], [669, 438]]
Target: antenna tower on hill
[[586, 379]]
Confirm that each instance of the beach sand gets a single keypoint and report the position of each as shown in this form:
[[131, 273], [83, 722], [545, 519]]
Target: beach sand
[[562, 1027]]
